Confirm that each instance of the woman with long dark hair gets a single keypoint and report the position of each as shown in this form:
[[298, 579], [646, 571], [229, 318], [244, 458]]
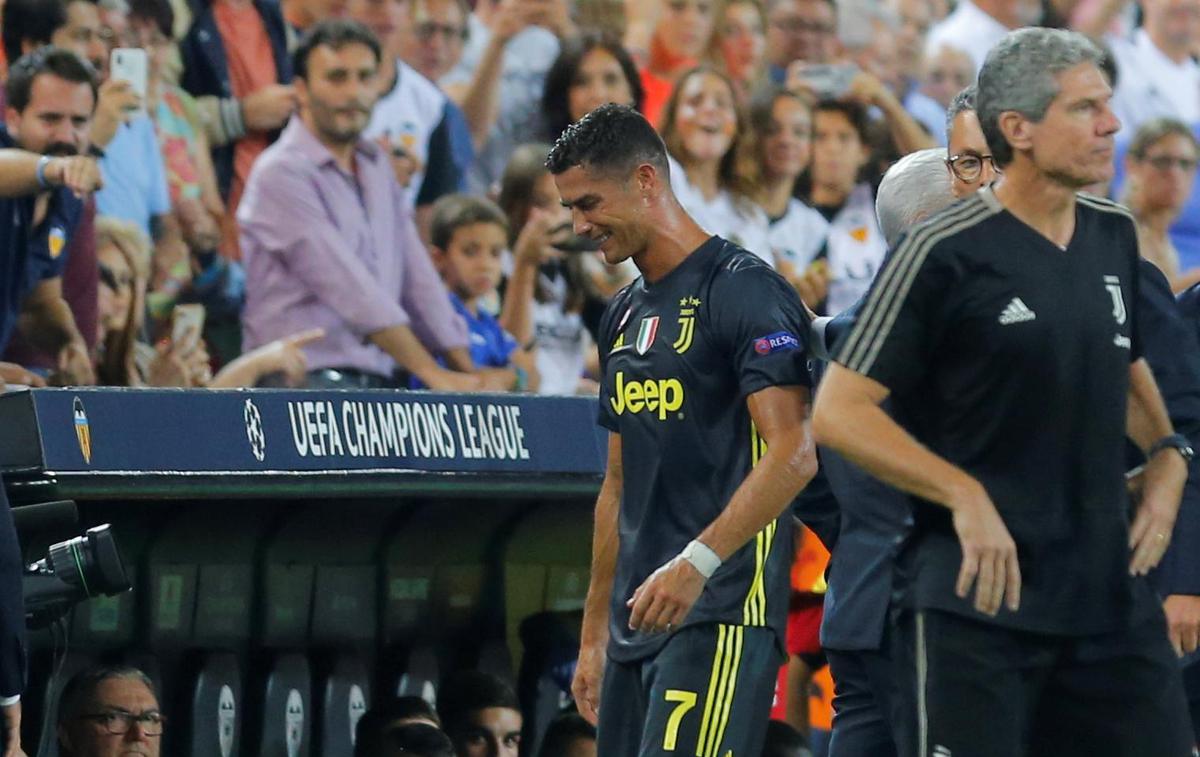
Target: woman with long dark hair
[[590, 70]]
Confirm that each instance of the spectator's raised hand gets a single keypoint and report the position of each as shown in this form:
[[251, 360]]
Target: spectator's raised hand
[[116, 102], [534, 244], [868, 89], [286, 356], [77, 173], [180, 363], [554, 15], [404, 163], [511, 17], [11, 373], [198, 226], [269, 108], [74, 366]]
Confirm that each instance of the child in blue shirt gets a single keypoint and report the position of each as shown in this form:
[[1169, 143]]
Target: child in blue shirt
[[469, 236]]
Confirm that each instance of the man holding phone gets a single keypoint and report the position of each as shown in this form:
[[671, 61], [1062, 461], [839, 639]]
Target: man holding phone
[[50, 101]]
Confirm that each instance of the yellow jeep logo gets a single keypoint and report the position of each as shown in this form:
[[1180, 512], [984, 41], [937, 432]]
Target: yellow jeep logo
[[660, 396]]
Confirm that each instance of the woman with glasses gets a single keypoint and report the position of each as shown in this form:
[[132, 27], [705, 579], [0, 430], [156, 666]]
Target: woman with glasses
[[711, 151], [1161, 170]]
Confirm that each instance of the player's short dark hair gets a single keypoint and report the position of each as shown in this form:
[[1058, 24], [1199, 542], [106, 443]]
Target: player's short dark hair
[[158, 12], [334, 33], [32, 21], [783, 741], [562, 732], [452, 212], [562, 73], [614, 139], [854, 112], [55, 61], [468, 691], [408, 740], [77, 694]]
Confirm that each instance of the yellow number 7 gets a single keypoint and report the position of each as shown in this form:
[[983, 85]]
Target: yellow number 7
[[684, 702]]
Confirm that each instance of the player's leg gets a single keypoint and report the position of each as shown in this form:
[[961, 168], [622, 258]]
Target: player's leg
[[1118, 695], [862, 701], [622, 710], [710, 692], [972, 686]]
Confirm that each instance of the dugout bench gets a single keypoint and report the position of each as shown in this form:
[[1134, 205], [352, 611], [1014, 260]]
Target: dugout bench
[[293, 553]]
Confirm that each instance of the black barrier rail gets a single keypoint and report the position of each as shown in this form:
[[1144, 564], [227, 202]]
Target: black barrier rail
[[154, 443]]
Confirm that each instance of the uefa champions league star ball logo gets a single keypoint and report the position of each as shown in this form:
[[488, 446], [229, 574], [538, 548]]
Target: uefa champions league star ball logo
[[254, 431]]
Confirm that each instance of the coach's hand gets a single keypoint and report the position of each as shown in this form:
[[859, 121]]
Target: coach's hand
[[1183, 622], [589, 677], [664, 599], [1150, 532], [989, 555]]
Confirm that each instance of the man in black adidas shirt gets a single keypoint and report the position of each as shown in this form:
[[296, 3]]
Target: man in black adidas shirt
[[705, 390], [1005, 329]]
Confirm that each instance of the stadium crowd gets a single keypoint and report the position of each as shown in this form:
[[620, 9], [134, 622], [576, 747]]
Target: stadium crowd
[[352, 193], [443, 258]]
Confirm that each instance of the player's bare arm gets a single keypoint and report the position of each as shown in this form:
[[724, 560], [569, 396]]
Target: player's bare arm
[[1164, 476], [589, 671], [781, 415], [849, 419]]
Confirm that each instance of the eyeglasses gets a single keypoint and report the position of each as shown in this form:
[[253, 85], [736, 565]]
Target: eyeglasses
[[113, 279], [117, 722], [799, 26], [969, 165], [427, 30], [1167, 162]]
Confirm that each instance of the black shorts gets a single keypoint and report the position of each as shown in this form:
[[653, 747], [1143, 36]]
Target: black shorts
[[706, 693], [981, 690]]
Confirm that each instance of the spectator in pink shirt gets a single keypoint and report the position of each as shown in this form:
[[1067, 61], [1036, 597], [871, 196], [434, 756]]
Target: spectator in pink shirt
[[328, 242]]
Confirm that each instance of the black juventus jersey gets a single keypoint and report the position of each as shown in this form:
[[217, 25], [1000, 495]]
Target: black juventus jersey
[[678, 359], [1009, 357]]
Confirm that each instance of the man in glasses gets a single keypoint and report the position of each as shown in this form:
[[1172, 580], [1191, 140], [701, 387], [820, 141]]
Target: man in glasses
[[968, 158], [110, 711]]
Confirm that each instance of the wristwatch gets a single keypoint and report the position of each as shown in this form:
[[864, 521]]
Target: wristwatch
[[1178, 442]]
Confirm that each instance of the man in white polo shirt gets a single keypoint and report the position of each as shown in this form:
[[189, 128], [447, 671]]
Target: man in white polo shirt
[[976, 25], [1156, 75]]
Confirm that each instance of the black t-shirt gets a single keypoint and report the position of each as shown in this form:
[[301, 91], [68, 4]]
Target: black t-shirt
[[679, 357], [1009, 357]]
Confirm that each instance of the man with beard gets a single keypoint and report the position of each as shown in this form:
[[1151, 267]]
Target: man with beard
[[110, 711], [329, 242], [51, 96], [50, 99]]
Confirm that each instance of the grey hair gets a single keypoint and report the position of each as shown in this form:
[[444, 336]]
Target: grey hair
[[963, 102], [79, 691], [1020, 74], [913, 189], [857, 19]]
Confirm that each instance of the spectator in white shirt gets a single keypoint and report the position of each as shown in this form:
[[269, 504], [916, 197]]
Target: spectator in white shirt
[[1156, 74], [976, 25], [713, 172], [782, 122]]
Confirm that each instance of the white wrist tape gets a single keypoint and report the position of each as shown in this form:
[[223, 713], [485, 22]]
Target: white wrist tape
[[703, 559]]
